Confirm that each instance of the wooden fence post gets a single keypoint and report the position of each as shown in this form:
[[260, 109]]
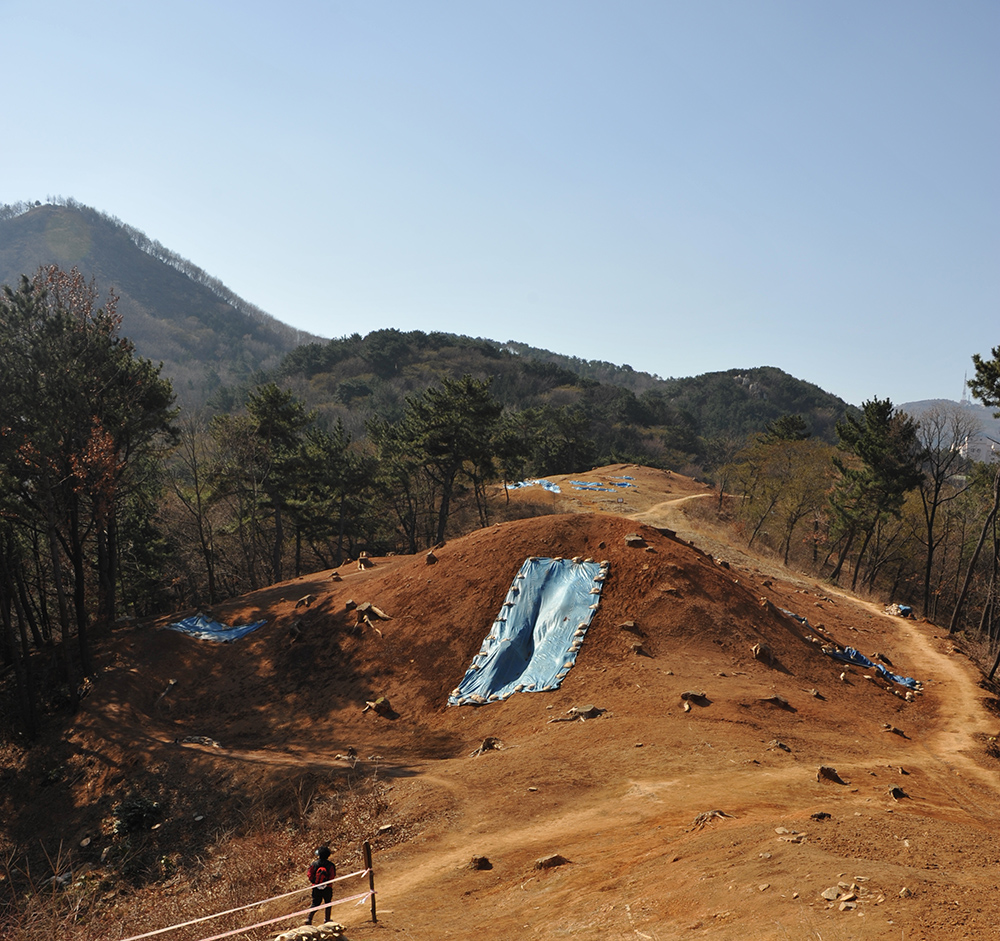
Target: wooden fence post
[[366, 849]]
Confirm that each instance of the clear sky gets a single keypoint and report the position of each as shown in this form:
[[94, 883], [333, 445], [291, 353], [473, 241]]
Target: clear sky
[[680, 186]]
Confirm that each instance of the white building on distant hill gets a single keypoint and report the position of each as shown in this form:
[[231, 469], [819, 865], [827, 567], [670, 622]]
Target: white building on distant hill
[[981, 448]]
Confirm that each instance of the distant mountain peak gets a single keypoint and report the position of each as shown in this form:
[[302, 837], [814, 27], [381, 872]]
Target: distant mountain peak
[[175, 312]]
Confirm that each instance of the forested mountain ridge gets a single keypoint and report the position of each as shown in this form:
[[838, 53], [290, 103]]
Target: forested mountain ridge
[[216, 346], [173, 311], [352, 378]]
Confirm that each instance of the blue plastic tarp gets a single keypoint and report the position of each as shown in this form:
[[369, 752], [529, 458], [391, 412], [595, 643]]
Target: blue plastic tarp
[[850, 655], [535, 638], [544, 484], [205, 628]]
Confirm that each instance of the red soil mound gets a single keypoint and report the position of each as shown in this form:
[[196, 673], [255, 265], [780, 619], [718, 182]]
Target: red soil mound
[[622, 796]]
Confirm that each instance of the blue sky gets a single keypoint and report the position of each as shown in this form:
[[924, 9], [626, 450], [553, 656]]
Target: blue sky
[[683, 187]]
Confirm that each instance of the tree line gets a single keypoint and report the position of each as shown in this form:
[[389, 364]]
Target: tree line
[[895, 508], [114, 504]]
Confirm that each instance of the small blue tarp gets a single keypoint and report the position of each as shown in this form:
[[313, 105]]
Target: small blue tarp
[[850, 655], [598, 485], [589, 485], [206, 629], [535, 638], [544, 484]]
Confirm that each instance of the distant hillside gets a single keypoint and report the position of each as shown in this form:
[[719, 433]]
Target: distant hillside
[[204, 334], [629, 415], [736, 401], [215, 344]]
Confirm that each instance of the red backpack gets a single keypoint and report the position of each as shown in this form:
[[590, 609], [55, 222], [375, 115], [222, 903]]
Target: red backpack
[[322, 871]]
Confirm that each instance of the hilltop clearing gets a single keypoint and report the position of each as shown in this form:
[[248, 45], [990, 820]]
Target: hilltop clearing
[[903, 828]]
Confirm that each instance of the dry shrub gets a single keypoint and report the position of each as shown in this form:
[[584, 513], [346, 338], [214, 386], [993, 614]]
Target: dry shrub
[[261, 848]]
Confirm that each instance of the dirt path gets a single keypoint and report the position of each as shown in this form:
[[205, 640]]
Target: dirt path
[[951, 683]]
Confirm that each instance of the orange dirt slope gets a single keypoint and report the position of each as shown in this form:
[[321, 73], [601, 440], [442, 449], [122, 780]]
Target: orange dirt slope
[[626, 798]]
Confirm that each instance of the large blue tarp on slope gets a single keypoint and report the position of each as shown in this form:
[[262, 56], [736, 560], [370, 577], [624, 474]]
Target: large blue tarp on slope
[[205, 628], [535, 638]]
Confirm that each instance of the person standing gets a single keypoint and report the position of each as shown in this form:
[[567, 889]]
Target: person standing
[[320, 872]]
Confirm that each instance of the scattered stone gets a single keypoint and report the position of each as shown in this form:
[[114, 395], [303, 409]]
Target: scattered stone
[[170, 685], [764, 886], [379, 706], [585, 712], [632, 628], [489, 744], [305, 601], [198, 740], [905, 893], [826, 773], [694, 695], [778, 701], [639, 650], [350, 604], [709, 815], [384, 829], [762, 651], [550, 862], [335, 577], [367, 609], [480, 863], [831, 894], [848, 906], [897, 793], [820, 815], [634, 540], [774, 743], [430, 558]]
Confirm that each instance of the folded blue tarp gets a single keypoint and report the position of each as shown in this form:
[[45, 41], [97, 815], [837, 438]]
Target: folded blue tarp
[[534, 640], [206, 629], [850, 655]]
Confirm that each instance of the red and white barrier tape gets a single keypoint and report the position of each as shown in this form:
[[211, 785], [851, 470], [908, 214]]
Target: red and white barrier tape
[[242, 908]]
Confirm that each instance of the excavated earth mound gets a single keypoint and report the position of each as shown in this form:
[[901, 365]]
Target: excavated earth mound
[[704, 770]]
